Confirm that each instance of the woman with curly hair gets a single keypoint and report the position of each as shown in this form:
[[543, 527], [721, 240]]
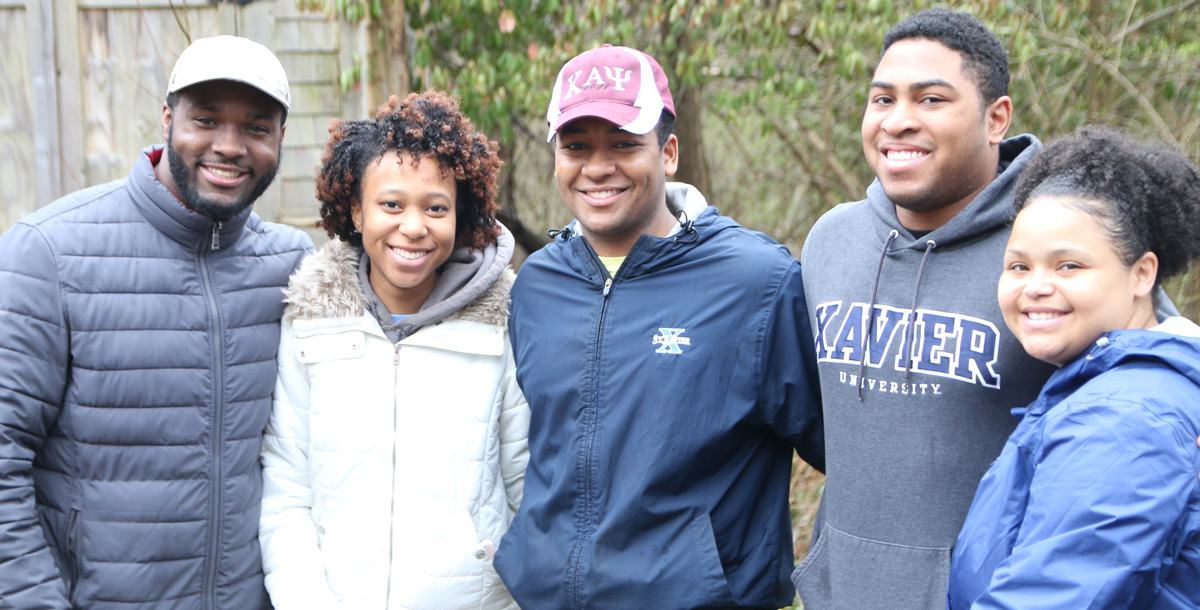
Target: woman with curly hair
[[395, 454], [1094, 502]]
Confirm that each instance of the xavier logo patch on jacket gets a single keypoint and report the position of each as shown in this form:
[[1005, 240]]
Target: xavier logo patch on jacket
[[943, 344], [669, 340]]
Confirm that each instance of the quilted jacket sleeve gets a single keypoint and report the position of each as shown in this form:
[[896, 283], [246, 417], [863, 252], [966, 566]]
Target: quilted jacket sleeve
[[292, 563], [789, 388], [1108, 506], [514, 432], [34, 349]]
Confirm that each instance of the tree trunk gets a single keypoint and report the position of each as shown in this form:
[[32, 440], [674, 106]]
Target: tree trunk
[[388, 64], [689, 128], [527, 239]]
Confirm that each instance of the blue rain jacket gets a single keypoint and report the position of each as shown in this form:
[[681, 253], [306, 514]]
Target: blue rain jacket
[[1094, 502], [665, 404]]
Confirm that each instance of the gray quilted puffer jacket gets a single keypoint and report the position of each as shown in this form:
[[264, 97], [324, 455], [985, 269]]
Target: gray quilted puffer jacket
[[136, 369]]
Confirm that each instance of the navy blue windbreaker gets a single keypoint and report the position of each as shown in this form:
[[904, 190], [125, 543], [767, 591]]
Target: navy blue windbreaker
[[1094, 502], [666, 402]]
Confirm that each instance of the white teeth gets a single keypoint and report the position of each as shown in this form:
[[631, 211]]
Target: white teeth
[[412, 256], [904, 155], [221, 173], [603, 194], [1040, 315]]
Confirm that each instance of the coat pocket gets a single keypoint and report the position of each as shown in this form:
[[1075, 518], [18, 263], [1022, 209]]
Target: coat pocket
[[72, 555], [336, 346]]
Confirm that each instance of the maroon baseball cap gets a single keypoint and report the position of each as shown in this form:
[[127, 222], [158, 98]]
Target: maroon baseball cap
[[618, 84]]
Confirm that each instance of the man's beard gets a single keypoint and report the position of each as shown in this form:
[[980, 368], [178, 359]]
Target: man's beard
[[186, 183]]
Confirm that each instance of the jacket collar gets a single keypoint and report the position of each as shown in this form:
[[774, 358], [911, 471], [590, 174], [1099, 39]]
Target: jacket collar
[[167, 214]]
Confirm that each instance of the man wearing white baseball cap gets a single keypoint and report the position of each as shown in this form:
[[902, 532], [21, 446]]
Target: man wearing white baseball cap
[[139, 321], [665, 354]]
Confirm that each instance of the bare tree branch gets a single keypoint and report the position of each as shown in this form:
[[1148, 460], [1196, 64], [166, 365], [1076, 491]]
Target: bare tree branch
[[800, 154], [1155, 16], [1115, 72]]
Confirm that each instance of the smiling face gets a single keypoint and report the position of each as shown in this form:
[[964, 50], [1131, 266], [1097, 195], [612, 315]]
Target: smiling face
[[223, 144], [408, 227], [927, 135], [1064, 284], [614, 182]]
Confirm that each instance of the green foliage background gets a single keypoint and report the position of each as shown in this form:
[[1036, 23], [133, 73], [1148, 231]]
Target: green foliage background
[[781, 83]]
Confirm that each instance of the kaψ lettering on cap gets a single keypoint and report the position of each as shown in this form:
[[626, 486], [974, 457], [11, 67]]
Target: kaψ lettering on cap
[[618, 84]]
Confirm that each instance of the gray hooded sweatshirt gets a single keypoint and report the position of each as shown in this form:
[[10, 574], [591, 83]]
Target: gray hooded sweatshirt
[[907, 440], [904, 458]]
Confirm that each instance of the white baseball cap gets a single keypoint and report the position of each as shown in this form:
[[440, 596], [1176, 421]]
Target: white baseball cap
[[231, 58]]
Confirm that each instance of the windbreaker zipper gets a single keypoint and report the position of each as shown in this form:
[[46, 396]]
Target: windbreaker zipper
[[395, 436], [591, 414], [218, 435], [72, 557]]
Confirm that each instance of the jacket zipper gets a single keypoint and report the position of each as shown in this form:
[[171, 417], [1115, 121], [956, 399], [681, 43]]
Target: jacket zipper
[[216, 235], [395, 435], [72, 557], [217, 436], [592, 412]]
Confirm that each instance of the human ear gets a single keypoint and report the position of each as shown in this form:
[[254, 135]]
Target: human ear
[[999, 117], [670, 155], [166, 121], [1145, 272], [356, 217]]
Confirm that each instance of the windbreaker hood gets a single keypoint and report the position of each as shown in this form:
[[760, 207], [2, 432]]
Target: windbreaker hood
[[1115, 348], [699, 221], [990, 209]]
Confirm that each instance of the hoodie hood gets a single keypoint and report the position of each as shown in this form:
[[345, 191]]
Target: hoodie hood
[[991, 209], [472, 285]]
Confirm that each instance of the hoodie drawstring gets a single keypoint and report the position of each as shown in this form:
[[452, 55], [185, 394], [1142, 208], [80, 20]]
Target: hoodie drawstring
[[862, 353], [554, 233], [912, 314]]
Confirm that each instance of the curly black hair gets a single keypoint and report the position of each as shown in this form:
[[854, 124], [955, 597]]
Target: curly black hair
[[1145, 195], [983, 56], [430, 125]]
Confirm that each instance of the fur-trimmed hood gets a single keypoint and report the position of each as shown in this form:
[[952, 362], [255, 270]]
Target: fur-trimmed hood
[[327, 286]]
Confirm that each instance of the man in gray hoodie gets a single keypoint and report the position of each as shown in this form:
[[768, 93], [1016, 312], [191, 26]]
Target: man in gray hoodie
[[913, 420]]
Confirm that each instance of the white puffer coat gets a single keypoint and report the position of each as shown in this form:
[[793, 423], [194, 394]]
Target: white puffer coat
[[389, 469]]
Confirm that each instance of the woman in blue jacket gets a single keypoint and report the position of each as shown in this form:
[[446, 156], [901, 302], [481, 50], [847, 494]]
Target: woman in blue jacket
[[1094, 502]]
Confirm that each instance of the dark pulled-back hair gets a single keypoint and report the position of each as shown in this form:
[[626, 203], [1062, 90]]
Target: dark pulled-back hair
[[428, 125], [1144, 195], [983, 57]]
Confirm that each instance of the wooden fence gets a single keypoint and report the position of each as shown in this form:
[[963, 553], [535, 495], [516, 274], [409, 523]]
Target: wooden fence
[[82, 83]]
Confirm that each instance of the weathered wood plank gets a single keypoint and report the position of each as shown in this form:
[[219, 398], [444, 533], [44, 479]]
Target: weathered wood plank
[[18, 185], [39, 15], [70, 95]]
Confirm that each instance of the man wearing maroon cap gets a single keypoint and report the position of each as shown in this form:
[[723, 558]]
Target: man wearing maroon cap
[[663, 351]]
